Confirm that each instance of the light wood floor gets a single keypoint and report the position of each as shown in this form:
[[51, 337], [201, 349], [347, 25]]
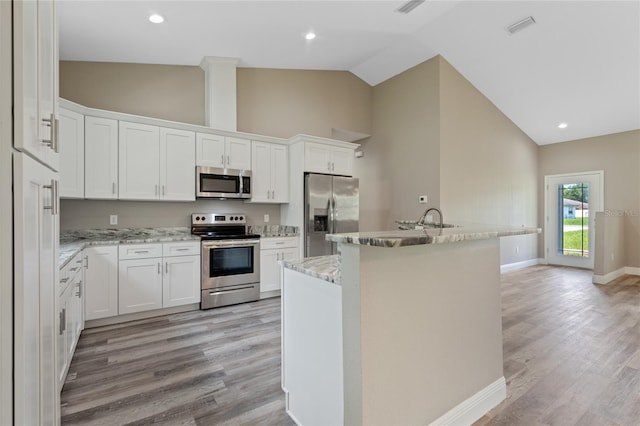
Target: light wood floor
[[571, 357]]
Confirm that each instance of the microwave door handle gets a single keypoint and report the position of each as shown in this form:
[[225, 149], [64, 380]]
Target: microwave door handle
[[241, 184]]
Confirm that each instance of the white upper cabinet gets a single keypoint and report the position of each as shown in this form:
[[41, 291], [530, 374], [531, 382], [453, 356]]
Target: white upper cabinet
[[270, 172], [71, 154], [223, 152], [177, 165], [101, 158], [328, 159], [139, 161], [35, 80], [155, 163]]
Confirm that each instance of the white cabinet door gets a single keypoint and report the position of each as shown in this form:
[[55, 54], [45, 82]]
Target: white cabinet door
[[101, 282], [75, 315], [210, 150], [261, 172], [139, 285], [139, 161], [280, 173], [181, 282], [317, 158], [269, 270], [341, 161], [34, 56], [62, 339], [35, 296], [101, 158], [238, 153], [71, 154], [177, 165]]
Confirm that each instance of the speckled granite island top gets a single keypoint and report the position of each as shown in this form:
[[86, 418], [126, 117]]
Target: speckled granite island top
[[71, 242], [323, 267], [402, 238]]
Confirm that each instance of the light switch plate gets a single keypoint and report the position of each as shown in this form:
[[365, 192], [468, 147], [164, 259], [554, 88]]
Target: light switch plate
[[113, 219], [266, 218]]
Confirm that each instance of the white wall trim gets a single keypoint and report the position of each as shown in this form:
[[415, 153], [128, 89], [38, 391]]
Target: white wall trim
[[606, 279], [471, 409], [519, 265]]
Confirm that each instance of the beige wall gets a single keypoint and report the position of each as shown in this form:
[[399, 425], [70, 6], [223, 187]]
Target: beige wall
[[169, 92], [284, 103], [619, 156], [94, 214], [488, 166], [401, 159], [610, 244]]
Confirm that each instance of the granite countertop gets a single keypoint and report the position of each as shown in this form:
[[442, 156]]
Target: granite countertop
[[267, 231], [71, 242], [402, 238], [322, 267]]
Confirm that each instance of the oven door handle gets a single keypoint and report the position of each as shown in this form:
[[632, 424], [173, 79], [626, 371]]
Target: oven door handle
[[235, 243]]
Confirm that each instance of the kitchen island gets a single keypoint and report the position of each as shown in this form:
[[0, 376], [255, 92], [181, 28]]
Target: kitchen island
[[403, 327]]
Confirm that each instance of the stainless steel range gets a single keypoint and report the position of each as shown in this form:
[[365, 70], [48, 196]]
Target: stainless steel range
[[230, 259]]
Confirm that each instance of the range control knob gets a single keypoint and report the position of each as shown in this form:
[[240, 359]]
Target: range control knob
[[197, 217], [241, 217]]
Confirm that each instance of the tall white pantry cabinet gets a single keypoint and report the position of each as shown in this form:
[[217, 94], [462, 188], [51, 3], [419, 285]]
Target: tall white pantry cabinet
[[35, 223]]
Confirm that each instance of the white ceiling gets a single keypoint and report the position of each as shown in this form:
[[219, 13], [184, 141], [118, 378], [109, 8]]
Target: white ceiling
[[579, 64]]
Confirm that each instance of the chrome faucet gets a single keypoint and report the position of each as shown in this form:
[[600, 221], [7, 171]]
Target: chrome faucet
[[424, 217]]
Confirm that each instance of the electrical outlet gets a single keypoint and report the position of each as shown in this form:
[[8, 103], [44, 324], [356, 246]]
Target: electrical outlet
[[422, 199], [266, 218], [517, 249], [113, 219], [612, 256]]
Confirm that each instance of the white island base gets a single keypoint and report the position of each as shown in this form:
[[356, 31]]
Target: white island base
[[408, 335]]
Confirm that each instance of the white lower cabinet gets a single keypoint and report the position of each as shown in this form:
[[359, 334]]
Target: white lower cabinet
[[155, 276], [273, 250], [70, 321], [101, 282]]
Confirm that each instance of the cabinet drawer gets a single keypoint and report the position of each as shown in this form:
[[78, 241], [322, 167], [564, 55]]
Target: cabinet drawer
[[69, 271], [139, 251], [181, 248], [278, 243]]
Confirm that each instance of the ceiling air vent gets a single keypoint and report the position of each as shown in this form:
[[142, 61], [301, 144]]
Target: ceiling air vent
[[409, 6], [521, 25]]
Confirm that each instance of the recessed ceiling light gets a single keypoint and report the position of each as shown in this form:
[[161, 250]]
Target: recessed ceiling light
[[310, 35], [156, 19], [562, 126]]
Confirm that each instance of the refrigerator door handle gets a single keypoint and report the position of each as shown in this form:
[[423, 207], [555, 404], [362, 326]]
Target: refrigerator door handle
[[334, 214]]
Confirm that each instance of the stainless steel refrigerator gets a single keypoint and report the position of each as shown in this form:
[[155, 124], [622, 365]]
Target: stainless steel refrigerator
[[331, 206]]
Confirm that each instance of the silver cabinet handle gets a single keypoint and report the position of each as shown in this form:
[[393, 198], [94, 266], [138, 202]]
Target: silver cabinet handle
[[156, 192], [141, 251], [113, 188], [166, 267], [64, 280], [163, 190], [279, 243], [222, 159], [74, 269], [182, 249], [86, 262], [329, 165], [79, 293], [228, 160], [61, 324], [64, 319], [54, 197], [333, 166], [53, 141], [159, 270], [79, 261]]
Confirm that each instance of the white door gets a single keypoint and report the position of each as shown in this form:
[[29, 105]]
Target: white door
[[269, 270], [238, 153], [181, 283], [261, 172], [36, 277], [101, 158], [210, 150], [280, 173], [177, 165], [101, 282], [571, 201], [61, 344], [139, 285], [71, 154], [139, 165]]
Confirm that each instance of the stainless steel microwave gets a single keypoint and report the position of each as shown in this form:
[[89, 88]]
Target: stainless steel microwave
[[213, 182]]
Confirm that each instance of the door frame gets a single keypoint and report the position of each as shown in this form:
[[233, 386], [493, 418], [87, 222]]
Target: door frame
[[600, 201]]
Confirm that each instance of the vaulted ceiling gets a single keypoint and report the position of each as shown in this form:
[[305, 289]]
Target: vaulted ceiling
[[578, 64]]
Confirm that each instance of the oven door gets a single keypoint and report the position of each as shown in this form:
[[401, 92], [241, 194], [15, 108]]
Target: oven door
[[230, 262]]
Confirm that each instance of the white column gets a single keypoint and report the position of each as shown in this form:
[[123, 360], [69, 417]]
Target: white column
[[220, 92]]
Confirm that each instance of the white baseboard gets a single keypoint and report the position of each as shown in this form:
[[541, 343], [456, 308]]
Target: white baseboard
[[519, 265], [471, 409], [606, 279]]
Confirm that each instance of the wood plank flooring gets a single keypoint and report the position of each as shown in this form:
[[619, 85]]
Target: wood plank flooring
[[571, 357], [571, 349], [220, 366]]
